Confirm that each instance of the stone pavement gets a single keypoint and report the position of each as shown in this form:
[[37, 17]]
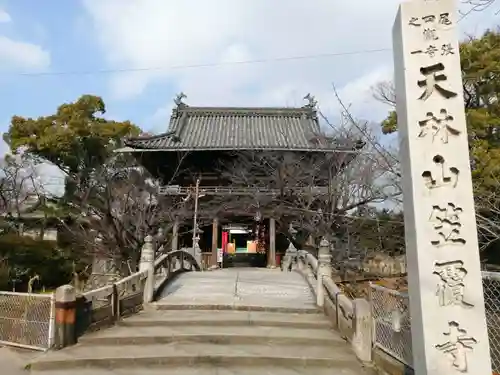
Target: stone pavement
[[13, 360], [235, 321], [240, 287]]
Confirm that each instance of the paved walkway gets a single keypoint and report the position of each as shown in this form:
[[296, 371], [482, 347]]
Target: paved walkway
[[240, 288], [224, 322]]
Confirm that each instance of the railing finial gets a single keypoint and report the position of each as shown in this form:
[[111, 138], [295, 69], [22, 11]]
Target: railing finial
[[324, 243]]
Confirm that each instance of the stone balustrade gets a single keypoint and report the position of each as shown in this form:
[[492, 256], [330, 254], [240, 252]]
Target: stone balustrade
[[104, 306], [352, 318], [347, 316]]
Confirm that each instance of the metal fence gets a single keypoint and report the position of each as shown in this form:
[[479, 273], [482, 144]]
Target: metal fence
[[491, 289], [27, 320], [391, 315], [391, 322]]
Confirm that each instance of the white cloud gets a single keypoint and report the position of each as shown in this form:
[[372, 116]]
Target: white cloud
[[4, 16], [50, 178], [159, 33], [4, 147], [22, 55]]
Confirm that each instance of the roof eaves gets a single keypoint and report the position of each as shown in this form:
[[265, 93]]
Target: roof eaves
[[191, 149]]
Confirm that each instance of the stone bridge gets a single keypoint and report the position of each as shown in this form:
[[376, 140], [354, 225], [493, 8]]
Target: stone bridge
[[231, 321]]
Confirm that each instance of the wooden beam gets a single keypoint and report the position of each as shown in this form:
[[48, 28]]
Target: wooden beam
[[215, 237]]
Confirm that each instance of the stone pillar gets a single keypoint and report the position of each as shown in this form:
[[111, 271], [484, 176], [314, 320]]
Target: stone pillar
[[160, 237], [197, 250], [362, 338], [147, 254], [325, 257], [324, 269], [449, 332], [289, 258], [271, 254], [175, 235], [215, 240], [65, 315], [147, 264]]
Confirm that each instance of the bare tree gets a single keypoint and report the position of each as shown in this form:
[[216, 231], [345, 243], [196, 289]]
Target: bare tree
[[487, 204], [385, 93], [476, 6], [20, 188], [317, 193]]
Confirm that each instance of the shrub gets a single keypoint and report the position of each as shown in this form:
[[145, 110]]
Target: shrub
[[26, 257]]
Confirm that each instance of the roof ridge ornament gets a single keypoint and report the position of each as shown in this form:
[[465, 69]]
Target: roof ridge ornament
[[178, 100], [311, 101]]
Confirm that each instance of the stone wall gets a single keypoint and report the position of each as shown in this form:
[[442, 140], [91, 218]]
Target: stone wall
[[385, 265]]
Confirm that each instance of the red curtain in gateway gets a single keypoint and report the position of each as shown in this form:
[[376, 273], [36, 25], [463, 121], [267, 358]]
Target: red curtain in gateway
[[225, 238]]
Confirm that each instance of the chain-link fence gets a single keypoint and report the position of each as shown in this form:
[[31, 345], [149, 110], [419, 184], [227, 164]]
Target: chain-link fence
[[27, 320], [491, 289], [391, 318]]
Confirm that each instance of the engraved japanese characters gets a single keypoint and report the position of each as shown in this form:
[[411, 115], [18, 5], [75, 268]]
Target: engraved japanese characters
[[440, 175], [448, 318], [457, 345], [433, 75], [446, 224], [451, 286], [436, 127]]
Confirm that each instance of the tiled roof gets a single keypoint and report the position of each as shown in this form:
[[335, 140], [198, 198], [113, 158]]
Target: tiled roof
[[209, 128]]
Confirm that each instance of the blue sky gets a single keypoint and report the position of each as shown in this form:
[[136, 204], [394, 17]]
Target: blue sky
[[57, 36], [70, 47]]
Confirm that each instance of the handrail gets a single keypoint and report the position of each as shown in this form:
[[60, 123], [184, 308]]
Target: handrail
[[220, 190], [131, 277], [343, 305]]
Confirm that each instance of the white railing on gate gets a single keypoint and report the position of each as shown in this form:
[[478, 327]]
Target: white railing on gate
[[27, 320]]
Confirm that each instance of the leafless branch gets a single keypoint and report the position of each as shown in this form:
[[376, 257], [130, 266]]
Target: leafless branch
[[119, 206], [475, 6], [20, 187], [318, 193], [384, 93]]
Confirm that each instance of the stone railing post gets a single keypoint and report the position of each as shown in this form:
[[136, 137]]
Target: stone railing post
[[65, 316], [160, 237], [324, 269], [147, 264], [290, 255], [362, 339], [197, 250]]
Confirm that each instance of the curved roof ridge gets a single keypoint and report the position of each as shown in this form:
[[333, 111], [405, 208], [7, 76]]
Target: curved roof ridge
[[247, 111]]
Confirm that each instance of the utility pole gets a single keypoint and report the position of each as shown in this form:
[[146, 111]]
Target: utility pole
[[196, 247], [195, 217]]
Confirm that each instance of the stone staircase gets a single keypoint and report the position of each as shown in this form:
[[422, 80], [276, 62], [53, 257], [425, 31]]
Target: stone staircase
[[209, 340]]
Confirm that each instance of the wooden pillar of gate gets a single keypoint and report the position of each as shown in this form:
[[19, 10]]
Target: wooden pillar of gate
[[175, 235], [271, 252], [215, 240]]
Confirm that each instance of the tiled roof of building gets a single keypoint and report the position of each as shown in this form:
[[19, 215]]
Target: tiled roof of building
[[213, 128]]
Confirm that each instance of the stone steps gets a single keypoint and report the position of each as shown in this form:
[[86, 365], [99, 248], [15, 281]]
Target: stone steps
[[247, 305], [182, 354], [226, 318], [210, 370], [227, 335], [207, 342]]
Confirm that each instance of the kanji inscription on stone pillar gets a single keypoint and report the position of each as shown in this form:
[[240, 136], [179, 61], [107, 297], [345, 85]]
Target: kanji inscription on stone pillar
[[449, 330]]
